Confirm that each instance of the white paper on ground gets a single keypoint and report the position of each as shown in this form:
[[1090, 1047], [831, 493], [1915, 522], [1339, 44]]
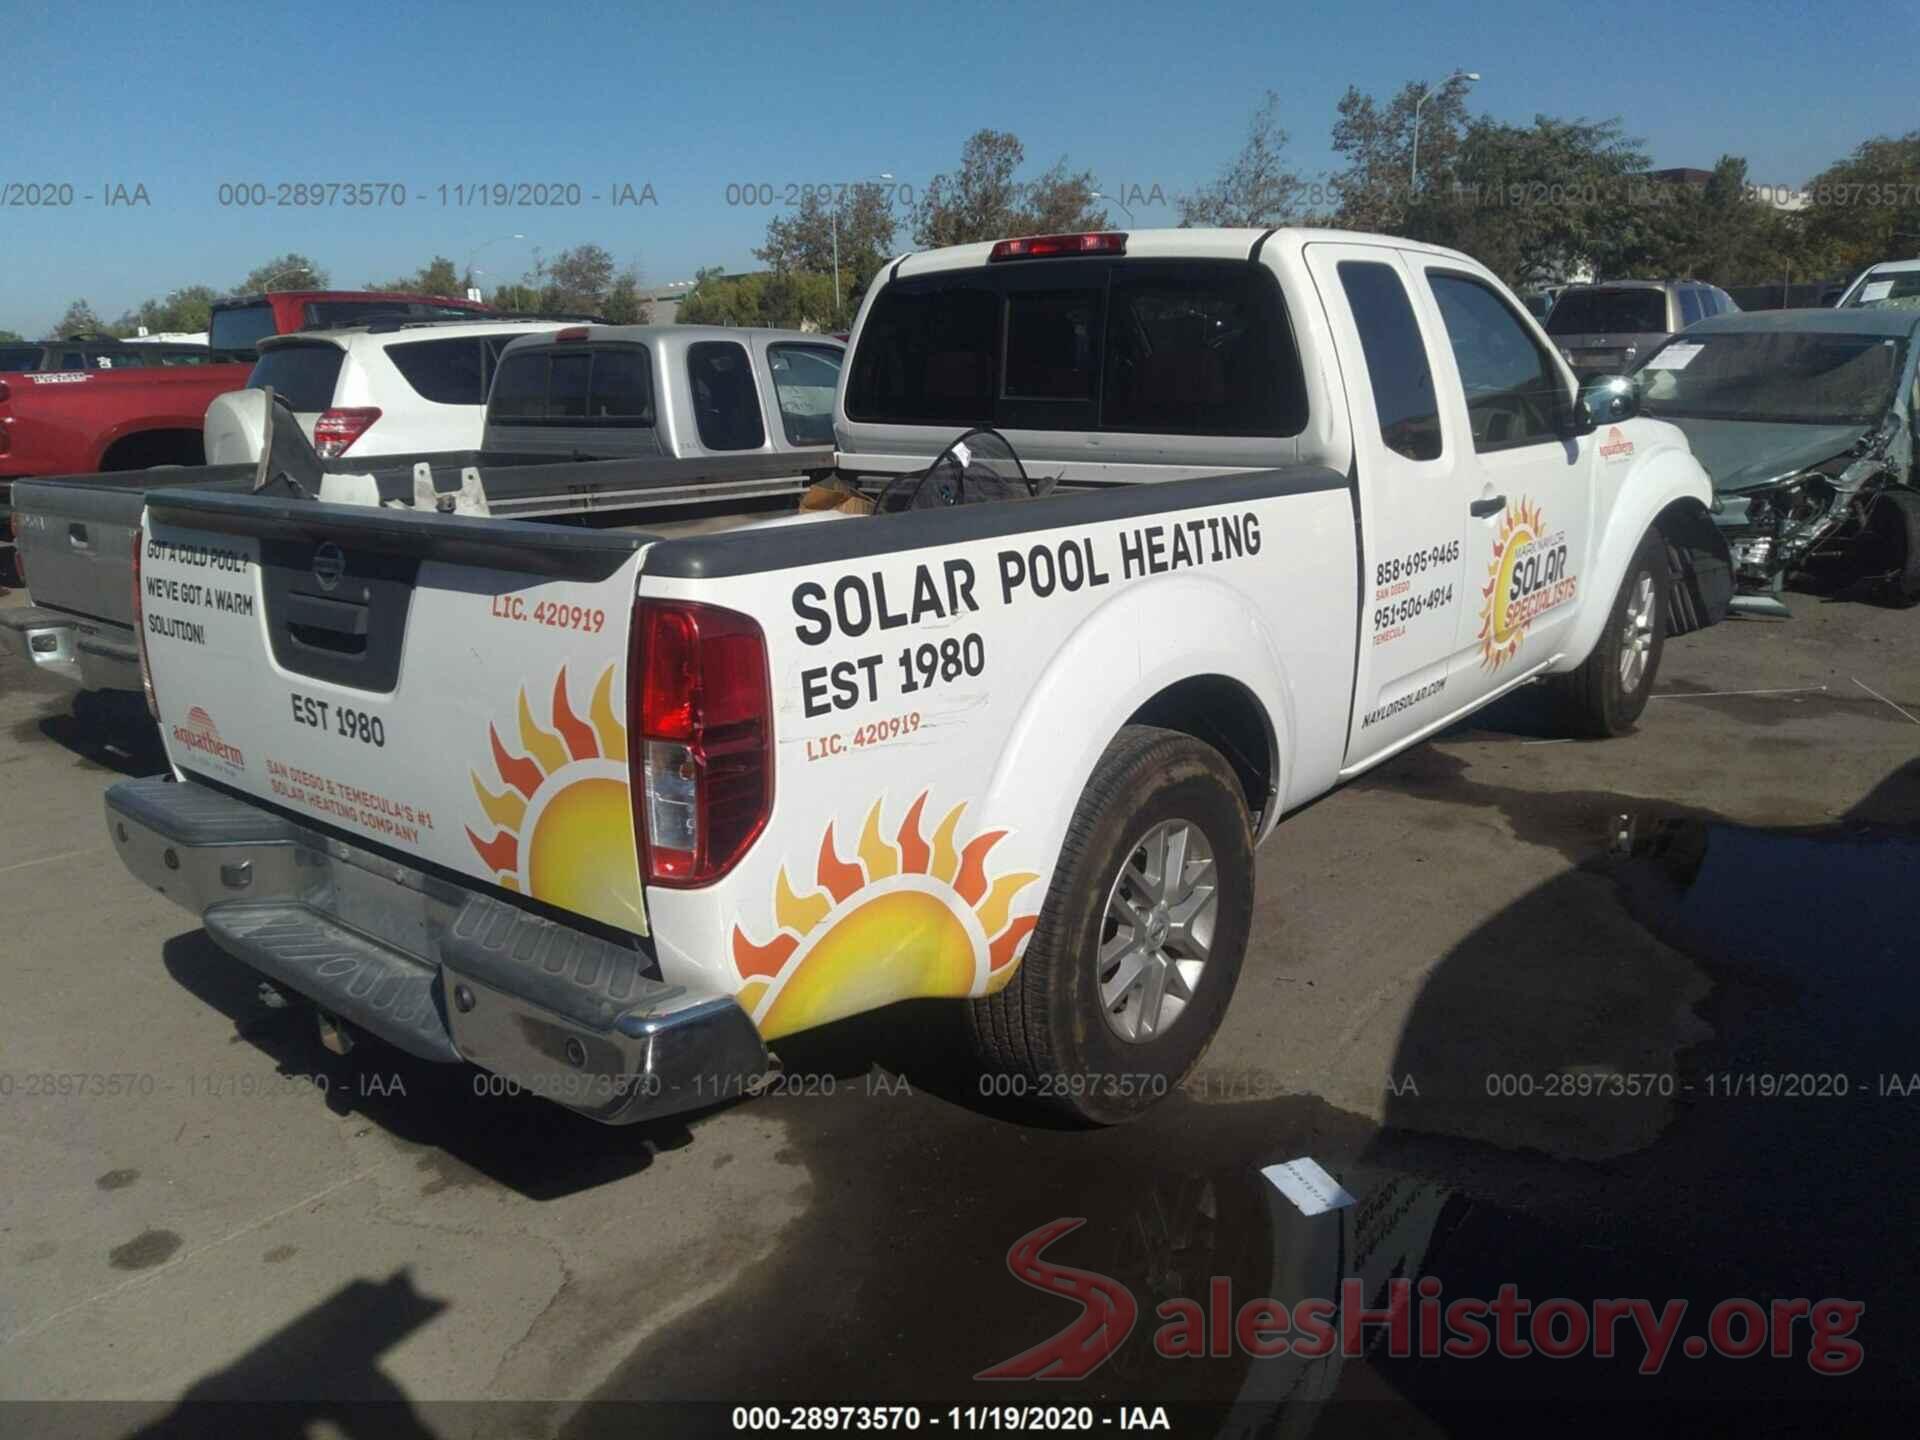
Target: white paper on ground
[[1675, 357], [1312, 1190]]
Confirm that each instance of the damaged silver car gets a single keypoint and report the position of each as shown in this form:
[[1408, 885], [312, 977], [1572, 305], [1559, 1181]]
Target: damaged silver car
[[1805, 421]]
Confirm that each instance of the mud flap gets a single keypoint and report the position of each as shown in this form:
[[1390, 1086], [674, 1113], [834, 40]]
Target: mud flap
[[1701, 567]]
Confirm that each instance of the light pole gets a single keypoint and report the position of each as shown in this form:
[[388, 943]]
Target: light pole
[[833, 218], [1096, 195], [474, 253], [1413, 179]]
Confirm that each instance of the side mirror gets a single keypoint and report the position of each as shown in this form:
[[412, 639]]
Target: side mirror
[[1604, 400]]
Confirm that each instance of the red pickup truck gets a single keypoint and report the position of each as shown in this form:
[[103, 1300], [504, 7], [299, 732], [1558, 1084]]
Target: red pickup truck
[[77, 422]]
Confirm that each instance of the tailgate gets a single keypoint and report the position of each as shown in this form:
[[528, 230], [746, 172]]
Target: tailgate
[[76, 534], [74, 539], [451, 689]]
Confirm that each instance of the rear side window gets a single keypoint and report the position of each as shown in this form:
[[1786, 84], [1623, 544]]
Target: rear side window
[[447, 372], [929, 354], [804, 380], [1513, 389], [241, 327], [1689, 306], [1192, 348], [725, 404], [609, 386], [22, 357], [301, 375], [1397, 364]]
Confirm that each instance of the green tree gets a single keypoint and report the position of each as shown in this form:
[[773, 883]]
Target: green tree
[[578, 280], [439, 276], [516, 299], [1866, 207], [982, 200], [187, 310], [7, 336], [1256, 188], [79, 319], [805, 240], [1375, 189], [292, 271], [1534, 202], [625, 304]]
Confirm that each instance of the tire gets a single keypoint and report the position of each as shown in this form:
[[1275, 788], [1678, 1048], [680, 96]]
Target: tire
[[1048, 1030], [1606, 694], [1894, 535]]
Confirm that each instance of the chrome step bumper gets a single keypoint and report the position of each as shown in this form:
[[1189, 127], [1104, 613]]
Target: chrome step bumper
[[48, 639], [433, 968]]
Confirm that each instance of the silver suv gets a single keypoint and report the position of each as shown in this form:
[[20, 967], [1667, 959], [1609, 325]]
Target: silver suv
[[1604, 329]]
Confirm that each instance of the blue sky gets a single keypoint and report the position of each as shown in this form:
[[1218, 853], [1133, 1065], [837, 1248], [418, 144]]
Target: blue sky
[[693, 98]]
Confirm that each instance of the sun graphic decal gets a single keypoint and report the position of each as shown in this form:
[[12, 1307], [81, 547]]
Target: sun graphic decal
[[1525, 578], [906, 917], [563, 823]]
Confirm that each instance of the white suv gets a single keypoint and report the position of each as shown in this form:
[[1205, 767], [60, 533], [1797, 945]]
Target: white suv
[[391, 387]]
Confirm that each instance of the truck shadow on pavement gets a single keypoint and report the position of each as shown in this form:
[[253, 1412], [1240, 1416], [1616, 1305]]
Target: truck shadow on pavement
[[112, 733]]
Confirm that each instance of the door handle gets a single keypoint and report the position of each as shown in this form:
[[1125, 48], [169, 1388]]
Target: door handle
[[77, 536], [1480, 509]]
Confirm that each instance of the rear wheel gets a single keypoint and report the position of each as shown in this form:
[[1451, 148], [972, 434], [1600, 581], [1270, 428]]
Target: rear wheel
[[1140, 939], [1606, 694]]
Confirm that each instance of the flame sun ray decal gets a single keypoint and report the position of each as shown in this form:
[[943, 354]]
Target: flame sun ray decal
[[562, 819], [904, 918]]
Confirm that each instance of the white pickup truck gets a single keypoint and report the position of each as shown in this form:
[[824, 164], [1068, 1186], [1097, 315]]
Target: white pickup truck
[[609, 809]]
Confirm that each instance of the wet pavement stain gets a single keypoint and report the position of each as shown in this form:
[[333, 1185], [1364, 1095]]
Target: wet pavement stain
[[279, 1254], [145, 1250], [117, 1179]]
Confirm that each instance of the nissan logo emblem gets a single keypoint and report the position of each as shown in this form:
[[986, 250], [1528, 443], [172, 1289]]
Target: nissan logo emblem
[[329, 564]]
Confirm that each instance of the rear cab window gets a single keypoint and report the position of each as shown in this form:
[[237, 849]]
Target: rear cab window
[[19, 358], [1398, 369], [1600, 311], [303, 374], [241, 327], [610, 385], [1200, 347], [805, 378]]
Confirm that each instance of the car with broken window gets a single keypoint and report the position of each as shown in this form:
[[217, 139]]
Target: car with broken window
[[1805, 421]]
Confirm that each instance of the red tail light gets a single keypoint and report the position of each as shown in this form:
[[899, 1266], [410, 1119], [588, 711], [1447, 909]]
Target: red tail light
[[336, 430], [5, 393], [1045, 247], [140, 624], [700, 711]]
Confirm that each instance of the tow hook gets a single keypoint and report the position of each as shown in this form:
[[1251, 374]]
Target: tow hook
[[334, 1033]]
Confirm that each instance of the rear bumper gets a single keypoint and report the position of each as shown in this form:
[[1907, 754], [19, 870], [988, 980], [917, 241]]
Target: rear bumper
[[435, 969], [86, 653]]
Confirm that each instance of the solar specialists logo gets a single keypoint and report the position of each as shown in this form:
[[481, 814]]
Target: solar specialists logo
[[200, 734], [1526, 578]]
